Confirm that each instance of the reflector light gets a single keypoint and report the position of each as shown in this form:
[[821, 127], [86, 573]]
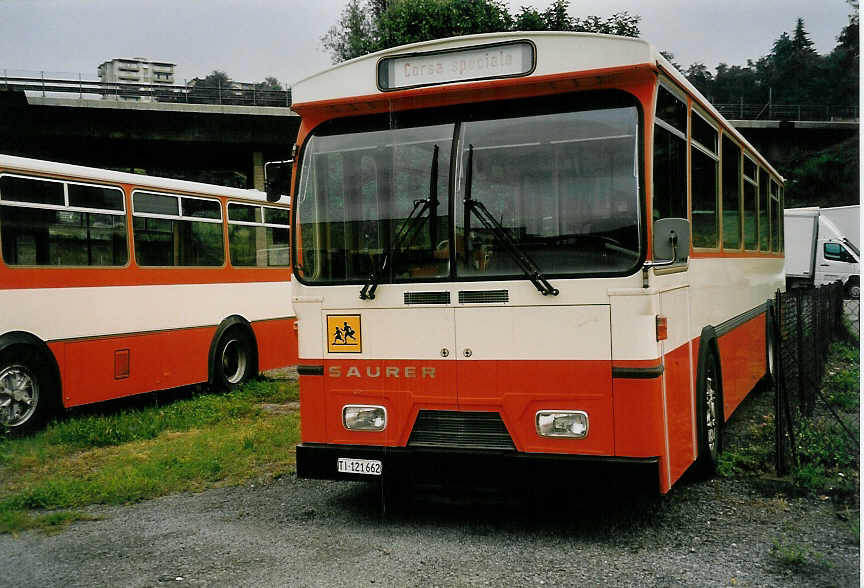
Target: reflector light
[[572, 424], [662, 331]]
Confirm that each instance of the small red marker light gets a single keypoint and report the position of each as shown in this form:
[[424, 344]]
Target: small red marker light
[[662, 331]]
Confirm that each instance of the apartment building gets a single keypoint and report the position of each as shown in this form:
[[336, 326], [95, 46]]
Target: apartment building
[[137, 70]]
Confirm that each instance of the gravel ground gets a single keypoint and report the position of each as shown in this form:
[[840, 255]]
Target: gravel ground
[[292, 532]]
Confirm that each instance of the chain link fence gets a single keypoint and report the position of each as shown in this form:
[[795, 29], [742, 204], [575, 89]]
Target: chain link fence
[[805, 323]]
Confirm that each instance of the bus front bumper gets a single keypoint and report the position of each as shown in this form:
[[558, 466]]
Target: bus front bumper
[[371, 463]]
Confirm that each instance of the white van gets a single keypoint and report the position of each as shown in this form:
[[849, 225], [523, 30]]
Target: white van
[[817, 251]]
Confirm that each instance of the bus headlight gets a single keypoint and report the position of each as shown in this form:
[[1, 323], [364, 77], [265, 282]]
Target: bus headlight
[[572, 424], [359, 417]]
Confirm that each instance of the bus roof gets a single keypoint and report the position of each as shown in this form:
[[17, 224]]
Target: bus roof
[[93, 174], [556, 53]]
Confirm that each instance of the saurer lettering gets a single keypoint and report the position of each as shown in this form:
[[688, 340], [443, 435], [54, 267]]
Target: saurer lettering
[[338, 371]]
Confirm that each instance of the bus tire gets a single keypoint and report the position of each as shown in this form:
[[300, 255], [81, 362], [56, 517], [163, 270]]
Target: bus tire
[[710, 411], [27, 390], [235, 360]]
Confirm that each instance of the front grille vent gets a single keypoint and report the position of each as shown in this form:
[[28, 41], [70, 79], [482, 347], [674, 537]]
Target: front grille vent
[[427, 297], [483, 296], [462, 430]]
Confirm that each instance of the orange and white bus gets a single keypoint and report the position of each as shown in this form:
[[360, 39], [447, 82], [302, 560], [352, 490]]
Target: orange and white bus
[[526, 250], [115, 284]]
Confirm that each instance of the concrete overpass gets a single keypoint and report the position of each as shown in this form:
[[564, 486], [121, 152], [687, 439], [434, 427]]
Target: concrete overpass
[[781, 140], [223, 144]]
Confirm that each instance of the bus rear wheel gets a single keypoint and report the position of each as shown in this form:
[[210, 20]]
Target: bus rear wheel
[[234, 360], [25, 390]]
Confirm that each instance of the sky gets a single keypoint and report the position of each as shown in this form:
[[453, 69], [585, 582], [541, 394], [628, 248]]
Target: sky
[[253, 39]]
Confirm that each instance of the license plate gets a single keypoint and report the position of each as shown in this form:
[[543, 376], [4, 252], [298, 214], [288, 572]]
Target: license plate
[[369, 467]]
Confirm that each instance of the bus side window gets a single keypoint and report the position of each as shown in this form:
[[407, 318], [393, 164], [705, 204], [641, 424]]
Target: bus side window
[[703, 169], [731, 194], [670, 174], [258, 237], [751, 205], [780, 224], [670, 157], [777, 214], [174, 231], [764, 214], [55, 233]]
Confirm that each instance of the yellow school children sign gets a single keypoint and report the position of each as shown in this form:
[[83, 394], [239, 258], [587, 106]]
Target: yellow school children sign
[[343, 333]]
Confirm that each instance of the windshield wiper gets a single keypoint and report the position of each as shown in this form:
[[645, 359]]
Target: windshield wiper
[[409, 229], [522, 259]]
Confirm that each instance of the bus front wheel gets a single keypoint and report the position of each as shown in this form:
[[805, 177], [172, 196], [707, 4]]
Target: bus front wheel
[[234, 362], [25, 390], [710, 413]]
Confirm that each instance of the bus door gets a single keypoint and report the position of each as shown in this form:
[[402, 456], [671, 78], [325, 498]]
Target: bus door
[[678, 393]]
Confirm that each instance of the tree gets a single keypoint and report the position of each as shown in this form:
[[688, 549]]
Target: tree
[[210, 89], [269, 83], [670, 57], [556, 17], [366, 26], [842, 63], [411, 21], [620, 23], [801, 40], [217, 79], [700, 77], [792, 72], [270, 93], [355, 32], [736, 84], [528, 19]]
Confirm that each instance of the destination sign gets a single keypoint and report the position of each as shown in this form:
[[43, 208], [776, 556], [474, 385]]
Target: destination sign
[[500, 60]]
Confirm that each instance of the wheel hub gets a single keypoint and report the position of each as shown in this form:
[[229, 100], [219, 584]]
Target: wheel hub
[[234, 361], [19, 395], [711, 414]]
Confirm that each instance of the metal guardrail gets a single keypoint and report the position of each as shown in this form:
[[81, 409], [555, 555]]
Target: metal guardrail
[[249, 95], [236, 94], [810, 112]]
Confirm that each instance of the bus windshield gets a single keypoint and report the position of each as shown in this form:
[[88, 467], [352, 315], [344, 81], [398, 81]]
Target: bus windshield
[[387, 204]]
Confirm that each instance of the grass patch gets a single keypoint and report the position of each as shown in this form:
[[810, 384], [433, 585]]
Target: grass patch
[[827, 455], [754, 454], [16, 521], [793, 556], [843, 378], [122, 457]]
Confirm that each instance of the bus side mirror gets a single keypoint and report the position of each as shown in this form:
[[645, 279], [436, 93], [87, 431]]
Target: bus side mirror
[[277, 179], [671, 240]]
